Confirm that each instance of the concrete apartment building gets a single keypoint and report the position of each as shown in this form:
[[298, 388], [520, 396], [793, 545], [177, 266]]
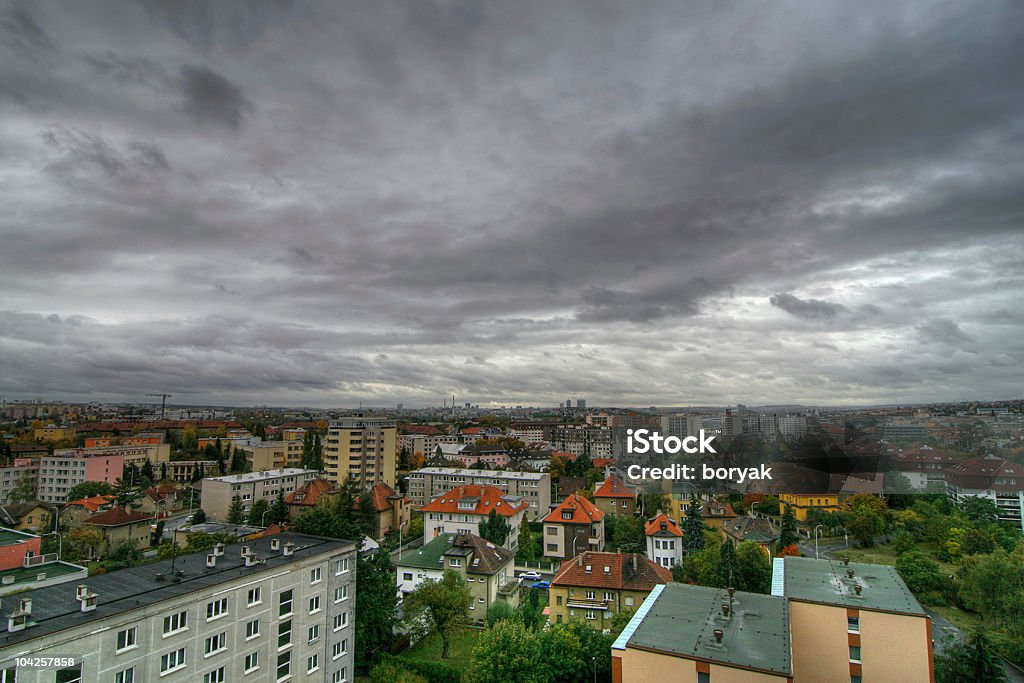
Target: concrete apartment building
[[594, 586], [489, 570], [681, 425], [424, 445], [272, 609], [271, 455], [427, 483], [993, 478], [362, 449], [461, 510], [10, 476], [573, 527], [68, 467], [250, 487]]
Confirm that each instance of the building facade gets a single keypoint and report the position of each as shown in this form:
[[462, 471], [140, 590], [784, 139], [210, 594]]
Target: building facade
[[461, 510], [992, 478], [664, 541], [218, 492], [362, 449], [574, 526], [427, 483]]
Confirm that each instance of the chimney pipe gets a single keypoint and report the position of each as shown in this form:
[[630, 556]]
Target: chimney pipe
[[289, 548], [275, 544], [849, 573], [846, 561], [731, 591], [857, 589], [725, 609], [719, 634], [211, 561]]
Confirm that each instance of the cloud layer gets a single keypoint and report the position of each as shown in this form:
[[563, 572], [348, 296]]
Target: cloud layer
[[660, 203]]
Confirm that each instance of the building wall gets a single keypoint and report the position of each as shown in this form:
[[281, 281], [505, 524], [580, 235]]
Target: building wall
[[13, 556], [895, 647], [535, 490], [437, 523], [105, 468], [590, 537], [10, 476], [804, 502], [361, 449], [619, 507], [96, 640], [641, 666], [604, 608], [218, 492], [670, 552]]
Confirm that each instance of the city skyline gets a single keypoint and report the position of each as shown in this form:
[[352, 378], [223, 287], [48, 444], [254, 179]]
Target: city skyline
[[319, 206]]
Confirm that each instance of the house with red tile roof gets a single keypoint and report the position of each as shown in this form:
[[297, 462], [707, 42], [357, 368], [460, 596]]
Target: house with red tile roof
[[664, 541], [574, 526], [461, 510], [77, 511], [991, 477], [389, 508], [923, 466], [308, 496], [594, 587], [614, 497], [118, 526]]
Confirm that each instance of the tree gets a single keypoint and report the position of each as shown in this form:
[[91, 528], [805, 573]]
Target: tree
[[701, 566], [257, 511], [163, 471], [919, 572], [279, 510], [147, 472], [495, 529], [628, 535], [501, 610], [653, 501], [993, 586], [788, 535], [24, 490], [903, 541], [198, 541], [753, 568], [126, 552], [727, 565], [88, 489], [693, 527], [527, 551], [506, 652], [979, 510], [391, 672], [974, 659], [532, 611], [864, 525], [439, 605], [236, 514], [376, 600], [125, 494], [199, 516]]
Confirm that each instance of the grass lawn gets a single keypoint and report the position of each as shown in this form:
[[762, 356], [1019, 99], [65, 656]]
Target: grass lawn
[[965, 621], [460, 649]]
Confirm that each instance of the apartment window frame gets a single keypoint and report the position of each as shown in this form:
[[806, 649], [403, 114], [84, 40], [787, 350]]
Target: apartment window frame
[[284, 635], [312, 663], [131, 640], [124, 676], [251, 662], [313, 634], [254, 596], [284, 660], [215, 644], [175, 623], [855, 654], [314, 604], [172, 661], [282, 602], [217, 609], [252, 629], [215, 676]]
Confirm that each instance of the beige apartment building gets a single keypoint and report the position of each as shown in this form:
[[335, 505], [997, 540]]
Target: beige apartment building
[[427, 483], [272, 609], [271, 455], [363, 449], [250, 487]]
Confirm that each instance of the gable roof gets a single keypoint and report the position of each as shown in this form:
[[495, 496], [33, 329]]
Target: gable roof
[[614, 487], [93, 503], [309, 493], [583, 511], [12, 513], [381, 496], [483, 556], [750, 529], [714, 509], [662, 525], [117, 517], [484, 499], [987, 472], [625, 571]]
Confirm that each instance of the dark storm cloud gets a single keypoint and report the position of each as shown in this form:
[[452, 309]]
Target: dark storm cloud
[[400, 200]]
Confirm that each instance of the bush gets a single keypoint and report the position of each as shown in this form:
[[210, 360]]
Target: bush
[[391, 672], [434, 672]]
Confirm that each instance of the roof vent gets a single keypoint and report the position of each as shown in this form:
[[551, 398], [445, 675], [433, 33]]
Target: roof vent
[[719, 634], [211, 561], [25, 605], [857, 589], [41, 576], [251, 560], [245, 550], [846, 561], [89, 602], [289, 548], [16, 621], [849, 573], [731, 591], [7, 580], [81, 591], [725, 609], [218, 550], [275, 544]]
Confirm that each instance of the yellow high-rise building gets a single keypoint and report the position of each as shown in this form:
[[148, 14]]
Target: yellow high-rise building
[[361, 449]]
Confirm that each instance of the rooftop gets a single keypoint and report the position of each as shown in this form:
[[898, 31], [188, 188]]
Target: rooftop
[[12, 537], [662, 525], [476, 500], [827, 582], [24, 576], [257, 476], [488, 558], [680, 619], [55, 608], [614, 487], [581, 510], [621, 571], [467, 472]]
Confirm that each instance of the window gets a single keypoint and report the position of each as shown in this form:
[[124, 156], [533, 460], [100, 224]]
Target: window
[[217, 608], [609, 596], [284, 634], [215, 644], [252, 629], [338, 624], [215, 676], [341, 566], [629, 602], [558, 599], [344, 646], [126, 676], [590, 614], [172, 661], [312, 663], [341, 592], [335, 650], [854, 653], [314, 604], [255, 596], [175, 622], [553, 531], [252, 662], [591, 595], [552, 547], [127, 638], [73, 675], [853, 624], [284, 665], [340, 676], [855, 679], [454, 562], [314, 633], [285, 604], [407, 576], [703, 677]]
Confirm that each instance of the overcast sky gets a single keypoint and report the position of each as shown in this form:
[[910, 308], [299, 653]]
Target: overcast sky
[[632, 203]]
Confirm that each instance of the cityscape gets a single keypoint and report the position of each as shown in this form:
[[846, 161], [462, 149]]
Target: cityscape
[[457, 341]]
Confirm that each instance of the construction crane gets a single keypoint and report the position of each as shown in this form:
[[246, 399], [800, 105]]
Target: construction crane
[[163, 402]]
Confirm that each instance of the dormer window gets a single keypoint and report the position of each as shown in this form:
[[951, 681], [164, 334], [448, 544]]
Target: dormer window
[[566, 514], [588, 568]]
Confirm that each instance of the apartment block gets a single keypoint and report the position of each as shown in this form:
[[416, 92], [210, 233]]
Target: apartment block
[[993, 478], [427, 483], [424, 445], [271, 455], [273, 609], [681, 425], [10, 476], [362, 449], [218, 492]]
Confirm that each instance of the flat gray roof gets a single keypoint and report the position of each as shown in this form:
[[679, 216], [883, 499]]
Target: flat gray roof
[[55, 608], [469, 472], [258, 476], [826, 582], [681, 619]]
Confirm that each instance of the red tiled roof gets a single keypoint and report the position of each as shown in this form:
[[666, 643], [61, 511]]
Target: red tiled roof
[[309, 493], [381, 496], [662, 524], [427, 430], [601, 463], [93, 503], [614, 487], [621, 574], [489, 499], [988, 472], [717, 509], [583, 511], [117, 517], [565, 455]]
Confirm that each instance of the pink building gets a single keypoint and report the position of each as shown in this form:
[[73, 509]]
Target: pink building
[[107, 468]]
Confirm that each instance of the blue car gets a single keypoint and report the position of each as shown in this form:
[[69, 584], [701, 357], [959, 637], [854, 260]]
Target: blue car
[[541, 585]]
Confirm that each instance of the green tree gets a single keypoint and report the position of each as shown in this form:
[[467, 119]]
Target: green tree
[[439, 605], [391, 672], [506, 652], [199, 541], [147, 471], [88, 489], [279, 510], [236, 514], [974, 659], [527, 551], [919, 572], [864, 526], [376, 600], [788, 534], [628, 535], [693, 527], [701, 567], [126, 552], [903, 541], [257, 511], [727, 568], [125, 494], [199, 516], [979, 510], [495, 529], [238, 462], [993, 586], [753, 569], [163, 471], [622, 618], [652, 502], [501, 610], [560, 653], [24, 490], [532, 611]]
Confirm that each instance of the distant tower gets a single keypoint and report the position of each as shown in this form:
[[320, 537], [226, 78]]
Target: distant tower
[[581, 403]]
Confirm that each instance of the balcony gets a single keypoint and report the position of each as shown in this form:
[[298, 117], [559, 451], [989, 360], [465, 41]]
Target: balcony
[[583, 603]]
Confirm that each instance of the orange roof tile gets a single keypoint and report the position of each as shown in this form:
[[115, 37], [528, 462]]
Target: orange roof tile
[[614, 487], [381, 496], [309, 493], [662, 524], [620, 572], [93, 503], [489, 498], [583, 511]]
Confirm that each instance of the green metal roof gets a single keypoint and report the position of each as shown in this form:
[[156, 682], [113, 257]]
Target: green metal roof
[[826, 582], [681, 619], [427, 556]]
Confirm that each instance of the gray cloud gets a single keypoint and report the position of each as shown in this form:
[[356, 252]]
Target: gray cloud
[[285, 202]]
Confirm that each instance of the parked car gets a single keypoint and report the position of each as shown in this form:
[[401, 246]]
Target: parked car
[[530, 576], [541, 585]]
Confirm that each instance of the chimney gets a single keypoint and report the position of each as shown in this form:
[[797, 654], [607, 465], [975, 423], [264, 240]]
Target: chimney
[[211, 561], [275, 544], [719, 634], [579, 560], [251, 560], [16, 621], [289, 548], [846, 561], [218, 550], [89, 602], [725, 609], [25, 605], [245, 550], [857, 588], [849, 573], [731, 591], [81, 591]]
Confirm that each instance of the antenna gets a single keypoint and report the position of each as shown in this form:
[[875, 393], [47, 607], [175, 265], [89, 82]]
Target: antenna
[[163, 402]]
